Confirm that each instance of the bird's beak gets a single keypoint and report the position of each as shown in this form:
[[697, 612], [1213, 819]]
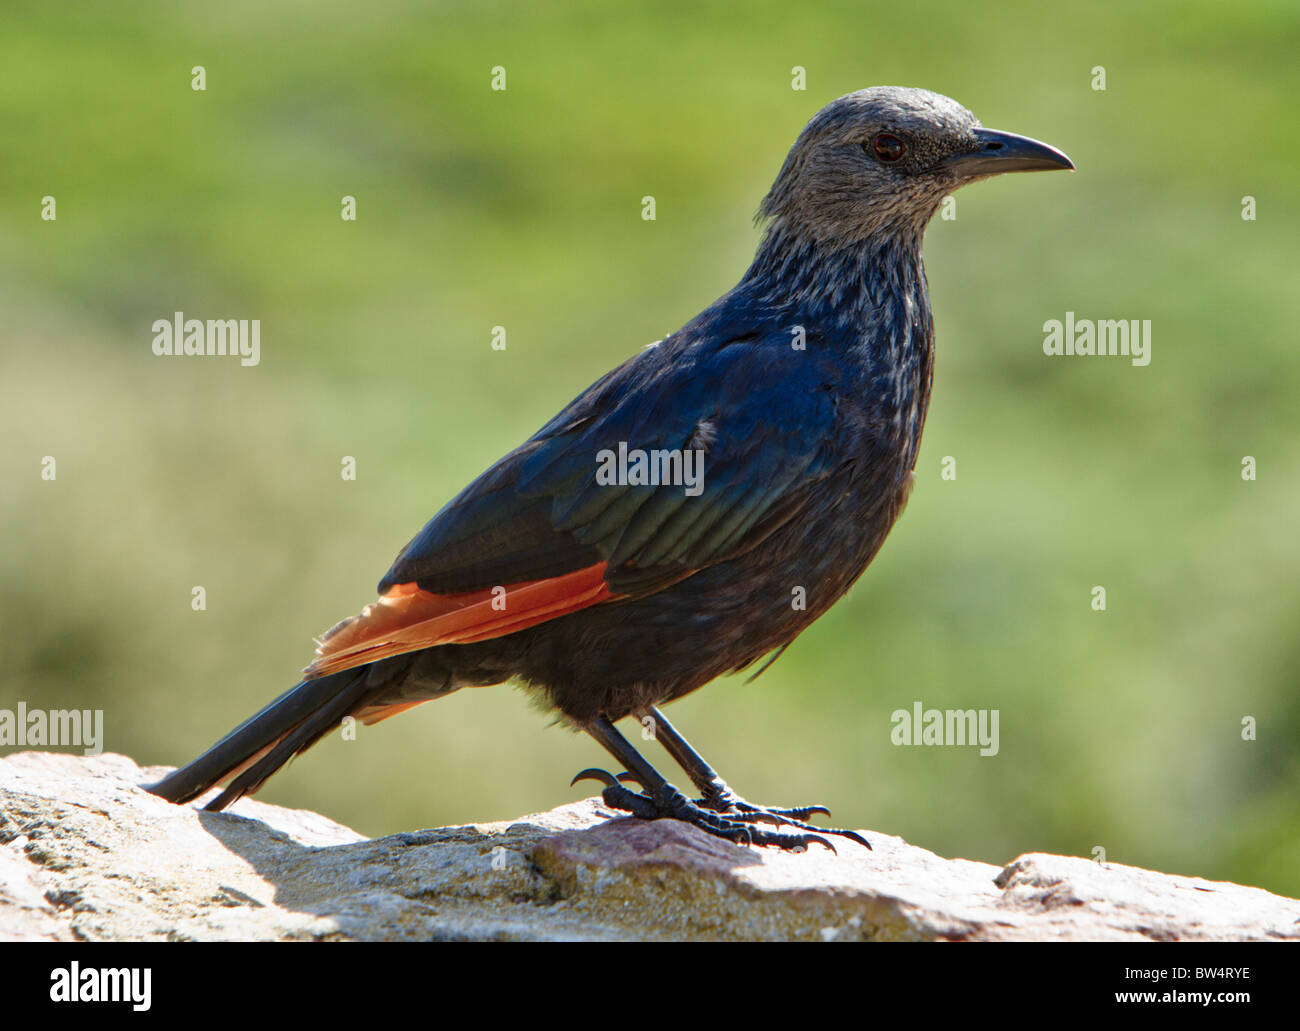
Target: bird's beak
[[997, 152]]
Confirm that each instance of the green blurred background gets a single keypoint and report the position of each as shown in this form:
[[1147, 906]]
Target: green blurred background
[[521, 208]]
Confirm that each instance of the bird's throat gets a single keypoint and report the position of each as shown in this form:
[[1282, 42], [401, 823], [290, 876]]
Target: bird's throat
[[869, 304]]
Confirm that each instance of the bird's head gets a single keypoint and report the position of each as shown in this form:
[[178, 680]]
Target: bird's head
[[881, 160]]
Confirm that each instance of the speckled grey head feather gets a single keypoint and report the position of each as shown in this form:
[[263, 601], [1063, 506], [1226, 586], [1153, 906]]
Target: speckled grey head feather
[[834, 189]]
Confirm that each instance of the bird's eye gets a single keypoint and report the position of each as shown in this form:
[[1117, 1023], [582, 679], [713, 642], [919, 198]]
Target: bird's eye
[[888, 147]]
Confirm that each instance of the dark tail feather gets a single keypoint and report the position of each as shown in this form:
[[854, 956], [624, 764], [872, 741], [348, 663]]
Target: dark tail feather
[[263, 743]]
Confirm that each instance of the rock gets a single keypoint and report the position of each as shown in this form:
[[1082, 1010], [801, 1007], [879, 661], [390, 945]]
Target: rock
[[86, 854]]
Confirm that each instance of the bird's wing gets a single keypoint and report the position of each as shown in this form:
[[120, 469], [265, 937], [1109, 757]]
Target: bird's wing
[[537, 536]]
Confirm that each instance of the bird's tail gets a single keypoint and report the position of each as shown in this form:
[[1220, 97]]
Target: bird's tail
[[263, 743]]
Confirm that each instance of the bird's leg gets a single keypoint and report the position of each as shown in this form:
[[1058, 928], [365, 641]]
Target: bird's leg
[[661, 800], [716, 792], [718, 796]]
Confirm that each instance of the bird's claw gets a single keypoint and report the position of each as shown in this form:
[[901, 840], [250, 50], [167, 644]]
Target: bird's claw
[[736, 825], [755, 814], [615, 795], [734, 804], [605, 777], [731, 806]]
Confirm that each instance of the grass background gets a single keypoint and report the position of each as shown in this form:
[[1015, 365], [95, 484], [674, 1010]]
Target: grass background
[[521, 208]]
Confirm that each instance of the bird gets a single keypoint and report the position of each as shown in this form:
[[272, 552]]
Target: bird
[[693, 510]]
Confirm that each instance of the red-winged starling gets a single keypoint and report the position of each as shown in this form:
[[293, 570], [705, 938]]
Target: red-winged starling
[[696, 508]]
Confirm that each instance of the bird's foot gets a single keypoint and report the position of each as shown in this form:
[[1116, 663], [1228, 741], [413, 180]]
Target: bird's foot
[[722, 799], [724, 815], [729, 802]]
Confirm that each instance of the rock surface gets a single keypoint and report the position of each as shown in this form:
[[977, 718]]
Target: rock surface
[[86, 854]]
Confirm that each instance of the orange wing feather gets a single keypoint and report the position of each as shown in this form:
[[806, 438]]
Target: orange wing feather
[[407, 619]]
